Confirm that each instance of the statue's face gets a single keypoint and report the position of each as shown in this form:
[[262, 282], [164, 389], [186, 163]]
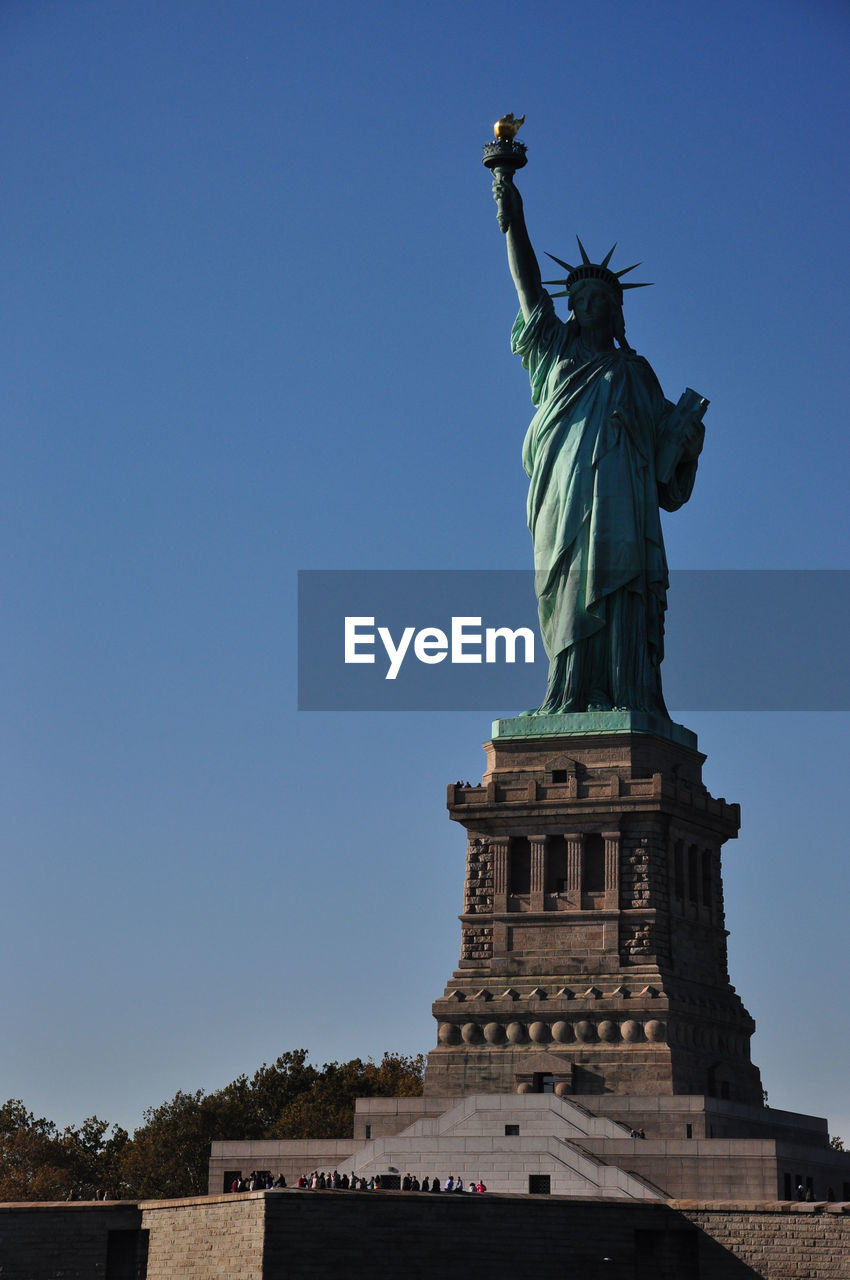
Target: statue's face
[[592, 305]]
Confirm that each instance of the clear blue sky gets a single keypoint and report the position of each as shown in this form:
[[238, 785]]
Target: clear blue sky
[[257, 317]]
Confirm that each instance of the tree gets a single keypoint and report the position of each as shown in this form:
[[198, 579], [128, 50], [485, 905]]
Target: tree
[[397, 1076], [327, 1109], [836, 1143], [256, 1104], [33, 1165], [167, 1155], [94, 1159]]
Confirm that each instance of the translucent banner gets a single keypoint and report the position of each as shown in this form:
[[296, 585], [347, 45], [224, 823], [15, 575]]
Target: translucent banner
[[467, 640]]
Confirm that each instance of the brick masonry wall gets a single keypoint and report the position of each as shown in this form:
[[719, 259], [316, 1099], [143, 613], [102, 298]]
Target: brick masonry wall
[[386, 1235], [778, 1242], [217, 1238]]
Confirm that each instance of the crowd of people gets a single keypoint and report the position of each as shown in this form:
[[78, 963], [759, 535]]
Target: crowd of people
[[258, 1182], [336, 1181]]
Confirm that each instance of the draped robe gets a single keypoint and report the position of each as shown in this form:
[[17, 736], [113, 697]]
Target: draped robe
[[593, 511]]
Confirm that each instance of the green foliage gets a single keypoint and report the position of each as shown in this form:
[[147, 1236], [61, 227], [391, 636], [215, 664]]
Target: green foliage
[[94, 1159], [268, 1093], [326, 1109], [835, 1142], [31, 1166]]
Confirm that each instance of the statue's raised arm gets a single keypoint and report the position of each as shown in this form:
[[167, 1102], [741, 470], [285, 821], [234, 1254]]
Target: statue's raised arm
[[522, 260]]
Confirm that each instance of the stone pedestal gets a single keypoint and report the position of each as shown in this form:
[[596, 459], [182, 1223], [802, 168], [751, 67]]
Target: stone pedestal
[[593, 951], [593, 966]]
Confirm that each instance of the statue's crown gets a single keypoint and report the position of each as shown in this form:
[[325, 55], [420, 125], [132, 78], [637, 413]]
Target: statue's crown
[[587, 270]]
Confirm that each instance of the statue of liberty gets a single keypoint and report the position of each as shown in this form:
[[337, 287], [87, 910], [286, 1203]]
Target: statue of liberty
[[603, 452]]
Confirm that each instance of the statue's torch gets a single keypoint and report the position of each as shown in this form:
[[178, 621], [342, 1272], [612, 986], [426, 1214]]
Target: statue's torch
[[505, 155]]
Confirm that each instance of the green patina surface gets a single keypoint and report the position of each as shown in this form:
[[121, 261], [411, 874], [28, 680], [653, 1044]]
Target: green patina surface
[[581, 723], [604, 451]]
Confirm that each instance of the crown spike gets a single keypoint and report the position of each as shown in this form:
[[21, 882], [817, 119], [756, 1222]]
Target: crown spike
[[560, 263], [588, 270]]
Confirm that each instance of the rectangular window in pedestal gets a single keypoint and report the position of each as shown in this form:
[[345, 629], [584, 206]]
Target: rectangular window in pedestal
[[539, 1184], [693, 886], [556, 864], [593, 870], [520, 868], [706, 879], [679, 870]]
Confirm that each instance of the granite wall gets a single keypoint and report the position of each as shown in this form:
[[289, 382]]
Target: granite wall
[[287, 1235], [75, 1241]]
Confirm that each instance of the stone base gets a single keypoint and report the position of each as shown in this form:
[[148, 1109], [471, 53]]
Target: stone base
[[385, 1235], [593, 951]]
